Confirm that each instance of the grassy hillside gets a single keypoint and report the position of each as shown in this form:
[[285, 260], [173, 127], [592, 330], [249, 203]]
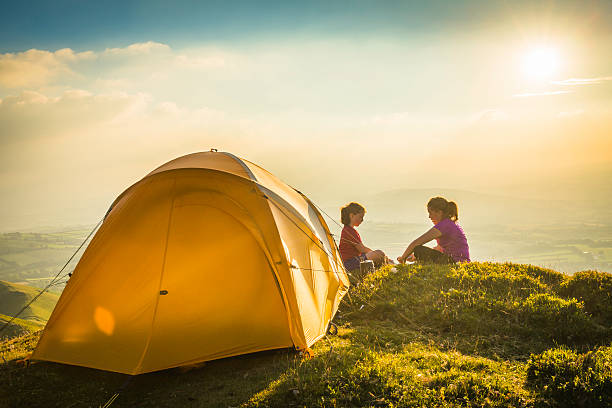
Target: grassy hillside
[[17, 327], [476, 335], [13, 297]]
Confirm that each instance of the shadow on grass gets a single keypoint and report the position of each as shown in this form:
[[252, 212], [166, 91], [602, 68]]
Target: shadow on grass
[[220, 383]]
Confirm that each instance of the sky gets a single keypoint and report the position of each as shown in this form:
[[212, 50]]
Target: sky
[[336, 98]]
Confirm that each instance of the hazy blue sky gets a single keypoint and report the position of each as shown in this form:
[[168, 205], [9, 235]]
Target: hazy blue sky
[[82, 25], [504, 97]]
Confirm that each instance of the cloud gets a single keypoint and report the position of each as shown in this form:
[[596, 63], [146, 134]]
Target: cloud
[[549, 93], [32, 115], [205, 62], [582, 81], [26, 97], [148, 47], [37, 67]]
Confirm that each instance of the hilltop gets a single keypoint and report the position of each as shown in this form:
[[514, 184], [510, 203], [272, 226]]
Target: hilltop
[[480, 334]]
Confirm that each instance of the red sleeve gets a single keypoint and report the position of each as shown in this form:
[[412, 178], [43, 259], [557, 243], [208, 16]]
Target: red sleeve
[[353, 236]]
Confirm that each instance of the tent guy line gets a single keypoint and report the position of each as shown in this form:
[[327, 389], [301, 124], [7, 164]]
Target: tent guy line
[[52, 282]]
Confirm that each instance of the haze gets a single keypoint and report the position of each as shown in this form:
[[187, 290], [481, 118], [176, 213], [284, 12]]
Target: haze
[[342, 101]]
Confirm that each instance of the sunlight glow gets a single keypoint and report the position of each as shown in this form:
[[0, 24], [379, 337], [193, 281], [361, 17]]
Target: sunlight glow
[[541, 62]]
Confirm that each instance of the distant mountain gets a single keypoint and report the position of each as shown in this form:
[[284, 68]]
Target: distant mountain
[[13, 297], [409, 206]]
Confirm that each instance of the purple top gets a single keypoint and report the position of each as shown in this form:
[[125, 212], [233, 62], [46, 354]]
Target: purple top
[[453, 241]]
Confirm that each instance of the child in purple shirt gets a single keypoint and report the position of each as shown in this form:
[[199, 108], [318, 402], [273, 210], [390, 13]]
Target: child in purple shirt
[[452, 244]]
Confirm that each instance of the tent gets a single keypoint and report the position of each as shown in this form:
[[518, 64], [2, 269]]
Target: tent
[[206, 257]]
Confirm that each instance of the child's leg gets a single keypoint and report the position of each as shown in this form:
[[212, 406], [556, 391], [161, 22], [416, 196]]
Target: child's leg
[[428, 255], [377, 256], [352, 264]]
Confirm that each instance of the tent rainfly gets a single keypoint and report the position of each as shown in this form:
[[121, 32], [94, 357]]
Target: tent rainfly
[[206, 257]]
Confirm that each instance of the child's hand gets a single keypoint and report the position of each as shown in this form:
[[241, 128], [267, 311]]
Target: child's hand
[[410, 258]]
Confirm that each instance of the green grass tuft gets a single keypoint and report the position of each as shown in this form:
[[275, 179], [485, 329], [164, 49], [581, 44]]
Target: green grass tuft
[[570, 379], [594, 290]]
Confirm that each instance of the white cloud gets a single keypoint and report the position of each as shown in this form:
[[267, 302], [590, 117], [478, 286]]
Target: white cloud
[[32, 115], [549, 93], [67, 54], [201, 62], [148, 47], [86, 116], [26, 97], [36, 67], [582, 81]]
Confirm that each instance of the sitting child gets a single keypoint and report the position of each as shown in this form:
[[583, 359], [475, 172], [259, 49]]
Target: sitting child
[[352, 250], [452, 244]]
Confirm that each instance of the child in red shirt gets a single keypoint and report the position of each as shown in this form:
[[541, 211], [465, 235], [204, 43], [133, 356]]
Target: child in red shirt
[[352, 250]]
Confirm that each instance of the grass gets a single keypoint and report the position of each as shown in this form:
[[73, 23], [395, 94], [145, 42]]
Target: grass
[[571, 379], [13, 297], [18, 327], [475, 335]]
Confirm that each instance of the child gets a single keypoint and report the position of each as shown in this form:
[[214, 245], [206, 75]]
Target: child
[[452, 244], [352, 250]]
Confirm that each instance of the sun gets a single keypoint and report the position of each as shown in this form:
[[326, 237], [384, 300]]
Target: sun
[[541, 62]]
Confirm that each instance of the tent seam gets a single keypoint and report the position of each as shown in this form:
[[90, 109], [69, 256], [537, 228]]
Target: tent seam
[[161, 278], [243, 164]]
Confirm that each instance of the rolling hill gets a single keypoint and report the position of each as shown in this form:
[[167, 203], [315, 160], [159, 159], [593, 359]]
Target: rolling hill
[[13, 297]]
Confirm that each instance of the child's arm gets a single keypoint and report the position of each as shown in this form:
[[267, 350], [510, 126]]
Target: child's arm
[[362, 248], [433, 233]]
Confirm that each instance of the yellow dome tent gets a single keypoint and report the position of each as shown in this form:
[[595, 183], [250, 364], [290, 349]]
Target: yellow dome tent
[[208, 256]]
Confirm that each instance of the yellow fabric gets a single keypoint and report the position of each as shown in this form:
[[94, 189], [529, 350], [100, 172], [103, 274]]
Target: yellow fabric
[[193, 264], [205, 160]]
